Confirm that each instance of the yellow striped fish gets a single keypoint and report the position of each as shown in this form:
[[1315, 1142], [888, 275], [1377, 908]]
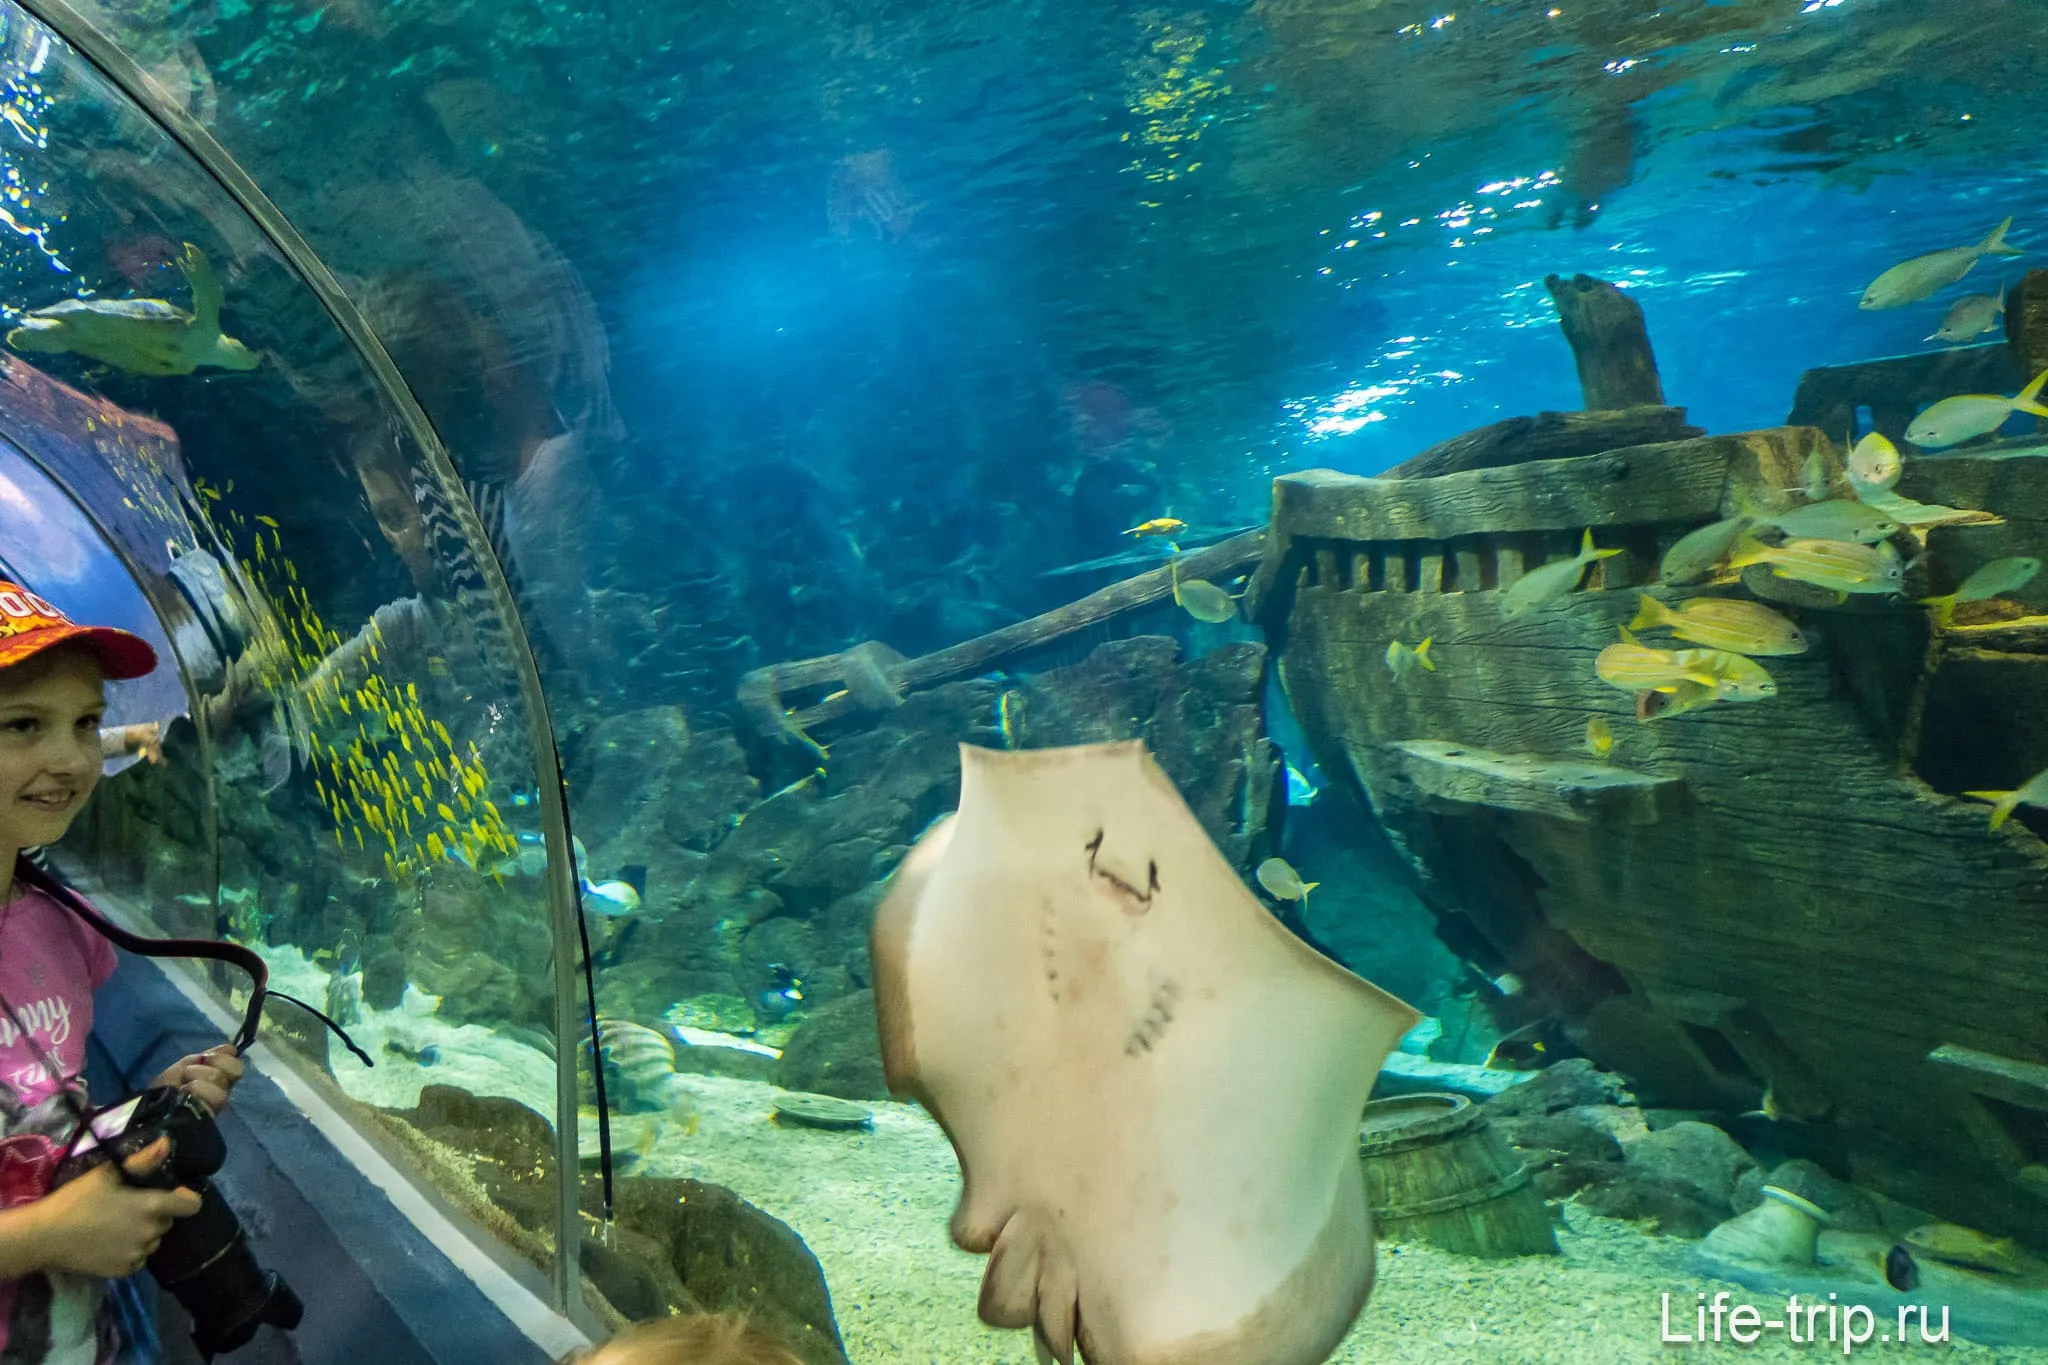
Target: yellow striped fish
[[1841, 565], [1634, 667], [1723, 623]]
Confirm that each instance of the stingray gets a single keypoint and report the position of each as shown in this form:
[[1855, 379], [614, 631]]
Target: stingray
[[1153, 1088]]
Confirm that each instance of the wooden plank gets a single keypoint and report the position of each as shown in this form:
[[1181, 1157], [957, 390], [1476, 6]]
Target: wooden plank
[[2002, 1078], [1676, 481], [1798, 1092], [1510, 563], [2011, 482], [764, 693], [1471, 571], [1328, 571], [1397, 572], [2026, 325], [1548, 436], [1563, 790], [1897, 387]]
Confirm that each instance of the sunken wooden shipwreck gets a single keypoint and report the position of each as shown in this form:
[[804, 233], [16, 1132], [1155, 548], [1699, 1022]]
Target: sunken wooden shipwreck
[[1788, 897], [1785, 906]]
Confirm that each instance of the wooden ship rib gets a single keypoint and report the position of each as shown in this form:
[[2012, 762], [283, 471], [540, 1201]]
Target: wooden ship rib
[[1788, 897]]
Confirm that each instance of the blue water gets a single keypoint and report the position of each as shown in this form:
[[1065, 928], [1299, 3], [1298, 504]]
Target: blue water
[[905, 306], [1346, 320]]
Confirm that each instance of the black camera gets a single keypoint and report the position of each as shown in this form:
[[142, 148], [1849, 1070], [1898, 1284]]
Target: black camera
[[204, 1260]]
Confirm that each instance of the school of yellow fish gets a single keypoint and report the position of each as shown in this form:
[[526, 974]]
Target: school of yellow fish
[[386, 772], [1838, 541]]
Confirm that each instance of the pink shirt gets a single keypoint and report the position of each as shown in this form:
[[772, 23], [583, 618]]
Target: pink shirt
[[50, 964]]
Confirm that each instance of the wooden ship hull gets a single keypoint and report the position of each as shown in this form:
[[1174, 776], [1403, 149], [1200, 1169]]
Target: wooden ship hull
[[1786, 898]]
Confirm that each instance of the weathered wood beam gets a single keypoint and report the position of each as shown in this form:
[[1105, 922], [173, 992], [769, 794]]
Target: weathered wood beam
[[1566, 791], [1676, 481], [1897, 387], [1610, 341], [764, 693], [2026, 324], [1680, 481], [1547, 436], [2002, 1078], [2013, 482], [1745, 1029]]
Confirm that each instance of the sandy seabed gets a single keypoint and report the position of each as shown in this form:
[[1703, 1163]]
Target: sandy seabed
[[873, 1206]]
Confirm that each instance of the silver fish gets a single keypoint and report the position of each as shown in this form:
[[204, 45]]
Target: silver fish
[[1697, 552], [1999, 576], [1923, 276], [1551, 581], [1970, 415], [1836, 519], [1970, 316]]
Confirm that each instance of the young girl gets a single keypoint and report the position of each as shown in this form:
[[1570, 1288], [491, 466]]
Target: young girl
[[59, 1246]]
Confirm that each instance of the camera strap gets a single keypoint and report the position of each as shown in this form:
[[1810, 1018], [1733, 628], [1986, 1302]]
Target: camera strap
[[234, 954]]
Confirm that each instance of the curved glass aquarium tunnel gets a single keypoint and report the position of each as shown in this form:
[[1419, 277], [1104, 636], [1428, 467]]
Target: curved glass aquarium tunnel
[[1556, 489]]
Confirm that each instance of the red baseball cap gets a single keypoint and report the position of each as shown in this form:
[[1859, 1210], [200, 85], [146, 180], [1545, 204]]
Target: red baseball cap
[[29, 625]]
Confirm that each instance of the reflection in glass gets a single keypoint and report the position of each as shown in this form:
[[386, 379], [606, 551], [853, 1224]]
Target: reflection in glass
[[352, 795]]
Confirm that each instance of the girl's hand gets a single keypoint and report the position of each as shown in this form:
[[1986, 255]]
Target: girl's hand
[[208, 1076], [98, 1225]]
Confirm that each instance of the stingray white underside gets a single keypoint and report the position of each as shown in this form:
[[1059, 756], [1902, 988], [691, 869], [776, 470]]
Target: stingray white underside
[[1153, 1088]]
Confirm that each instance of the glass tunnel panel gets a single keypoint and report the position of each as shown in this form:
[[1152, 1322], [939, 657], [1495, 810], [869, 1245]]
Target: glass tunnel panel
[[348, 783], [53, 549]]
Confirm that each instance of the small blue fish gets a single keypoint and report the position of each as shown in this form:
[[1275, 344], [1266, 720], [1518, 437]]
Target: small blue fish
[[1300, 791], [781, 999], [530, 861], [532, 858], [425, 1056], [612, 899]]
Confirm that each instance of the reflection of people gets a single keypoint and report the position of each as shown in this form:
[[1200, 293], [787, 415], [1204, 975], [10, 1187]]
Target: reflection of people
[[59, 1245], [146, 739], [692, 1339], [148, 32]]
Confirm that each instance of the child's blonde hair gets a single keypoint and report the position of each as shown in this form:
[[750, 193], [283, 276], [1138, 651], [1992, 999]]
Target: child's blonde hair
[[692, 1339]]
